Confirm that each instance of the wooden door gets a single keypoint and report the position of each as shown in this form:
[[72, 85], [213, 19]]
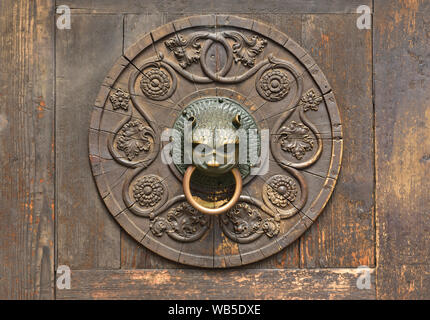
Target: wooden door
[[56, 212]]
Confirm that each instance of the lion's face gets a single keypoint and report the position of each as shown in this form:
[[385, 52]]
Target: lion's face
[[213, 134], [215, 142]]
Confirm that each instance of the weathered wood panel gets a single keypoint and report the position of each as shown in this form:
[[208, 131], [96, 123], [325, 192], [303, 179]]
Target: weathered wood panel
[[88, 237], [402, 95], [225, 6], [26, 149], [344, 234], [216, 284]]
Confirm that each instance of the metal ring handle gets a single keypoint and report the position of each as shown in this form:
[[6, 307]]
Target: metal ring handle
[[199, 207]]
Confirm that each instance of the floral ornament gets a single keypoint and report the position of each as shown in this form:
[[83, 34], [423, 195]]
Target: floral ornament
[[274, 85], [295, 139], [270, 227], [281, 190], [158, 226], [186, 221], [248, 224], [120, 99], [245, 50], [155, 83], [310, 101], [134, 137], [148, 191], [183, 223], [246, 220], [185, 51]]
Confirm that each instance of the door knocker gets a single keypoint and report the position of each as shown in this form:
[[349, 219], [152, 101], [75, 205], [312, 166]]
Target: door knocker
[[215, 141]]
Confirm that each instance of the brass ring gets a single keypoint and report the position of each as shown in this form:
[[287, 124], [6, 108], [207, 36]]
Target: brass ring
[[199, 207]]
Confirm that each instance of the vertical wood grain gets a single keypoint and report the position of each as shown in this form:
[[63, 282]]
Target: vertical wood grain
[[402, 104], [88, 236], [26, 149], [344, 234]]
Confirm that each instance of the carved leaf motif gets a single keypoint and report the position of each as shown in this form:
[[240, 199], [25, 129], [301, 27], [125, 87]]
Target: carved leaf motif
[[134, 138], [310, 101], [158, 226], [245, 50], [270, 227], [183, 223], [186, 221], [295, 139], [248, 222], [185, 51]]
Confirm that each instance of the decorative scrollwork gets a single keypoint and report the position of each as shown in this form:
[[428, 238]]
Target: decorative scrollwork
[[148, 191], [296, 140], [281, 191], [245, 50], [244, 224], [274, 84], [185, 51], [310, 101], [120, 100], [183, 223], [133, 138]]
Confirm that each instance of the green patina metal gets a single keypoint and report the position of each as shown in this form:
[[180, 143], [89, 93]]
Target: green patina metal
[[219, 124]]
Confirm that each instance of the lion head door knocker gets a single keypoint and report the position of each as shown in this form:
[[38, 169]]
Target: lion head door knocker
[[215, 141]]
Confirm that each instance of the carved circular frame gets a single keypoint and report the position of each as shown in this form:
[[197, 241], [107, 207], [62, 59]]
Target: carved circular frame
[[104, 165]]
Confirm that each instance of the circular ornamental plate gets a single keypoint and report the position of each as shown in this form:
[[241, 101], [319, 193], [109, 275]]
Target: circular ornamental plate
[[264, 75]]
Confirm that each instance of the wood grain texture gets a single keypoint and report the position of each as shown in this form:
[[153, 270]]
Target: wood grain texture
[[26, 150], [216, 284], [344, 234], [221, 6], [87, 235], [402, 95]]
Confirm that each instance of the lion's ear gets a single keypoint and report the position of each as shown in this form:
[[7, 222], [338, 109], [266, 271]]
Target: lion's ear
[[237, 121]]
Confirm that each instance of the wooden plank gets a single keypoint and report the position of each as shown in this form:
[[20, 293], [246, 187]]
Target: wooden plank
[[344, 234], [224, 6], [402, 83], [217, 284], [26, 150], [88, 237]]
